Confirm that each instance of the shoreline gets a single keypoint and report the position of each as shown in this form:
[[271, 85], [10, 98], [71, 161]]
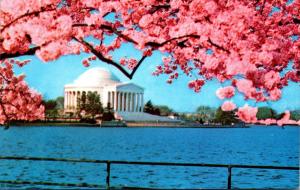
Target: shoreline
[[135, 125]]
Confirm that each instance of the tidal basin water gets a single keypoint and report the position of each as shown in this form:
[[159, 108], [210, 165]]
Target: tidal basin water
[[253, 146]]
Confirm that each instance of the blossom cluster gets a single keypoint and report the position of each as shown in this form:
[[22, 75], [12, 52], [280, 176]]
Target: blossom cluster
[[242, 41], [17, 100]]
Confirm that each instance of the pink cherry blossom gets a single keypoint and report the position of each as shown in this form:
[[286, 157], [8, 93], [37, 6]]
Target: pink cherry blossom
[[247, 114], [275, 94], [246, 87], [17, 100], [268, 121], [228, 106], [226, 92], [286, 119], [248, 46], [271, 79], [196, 85]]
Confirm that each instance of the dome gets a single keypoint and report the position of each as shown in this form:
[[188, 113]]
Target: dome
[[96, 77]]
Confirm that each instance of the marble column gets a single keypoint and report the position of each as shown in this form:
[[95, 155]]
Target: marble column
[[108, 99], [142, 102], [140, 108], [118, 101], [112, 100], [121, 101], [129, 102], [73, 99], [124, 101], [78, 97], [68, 99], [65, 100], [137, 102], [133, 102]]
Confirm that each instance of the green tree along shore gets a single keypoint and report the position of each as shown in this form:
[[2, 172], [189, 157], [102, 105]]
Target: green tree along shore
[[90, 108], [89, 105]]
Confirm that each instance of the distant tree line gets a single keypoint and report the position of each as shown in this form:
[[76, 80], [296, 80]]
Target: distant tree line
[[206, 114], [90, 108], [160, 110], [267, 112]]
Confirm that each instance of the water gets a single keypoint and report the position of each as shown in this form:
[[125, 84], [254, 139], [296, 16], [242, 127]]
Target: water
[[253, 146]]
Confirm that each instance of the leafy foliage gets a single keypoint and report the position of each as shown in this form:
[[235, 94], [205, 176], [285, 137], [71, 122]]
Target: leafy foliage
[[164, 110], [225, 117], [266, 112], [149, 108], [206, 113], [295, 115], [89, 104], [52, 107], [108, 114]]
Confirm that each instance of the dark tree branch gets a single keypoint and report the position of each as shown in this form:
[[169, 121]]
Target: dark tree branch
[[115, 31], [109, 28], [36, 13], [154, 45], [137, 66], [157, 45], [101, 57], [155, 8], [296, 21], [217, 46], [30, 51]]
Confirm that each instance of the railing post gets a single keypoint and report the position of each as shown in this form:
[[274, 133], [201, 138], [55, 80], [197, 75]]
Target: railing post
[[229, 177], [108, 175]]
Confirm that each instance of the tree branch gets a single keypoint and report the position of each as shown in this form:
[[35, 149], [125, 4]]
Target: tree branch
[[36, 13], [296, 21], [109, 28], [137, 66], [101, 57], [30, 51], [157, 45], [217, 46], [155, 8]]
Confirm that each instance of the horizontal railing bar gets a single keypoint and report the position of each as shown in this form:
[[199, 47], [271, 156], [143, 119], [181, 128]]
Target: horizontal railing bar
[[152, 188], [50, 184], [51, 159], [168, 164], [148, 163], [205, 165], [267, 167]]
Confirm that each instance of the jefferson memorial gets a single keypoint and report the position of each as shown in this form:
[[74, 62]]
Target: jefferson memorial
[[126, 99], [123, 97]]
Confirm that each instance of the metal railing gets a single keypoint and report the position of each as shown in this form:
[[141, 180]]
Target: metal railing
[[109, 163]]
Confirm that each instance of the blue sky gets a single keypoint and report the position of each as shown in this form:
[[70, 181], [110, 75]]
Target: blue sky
[[50, 78]]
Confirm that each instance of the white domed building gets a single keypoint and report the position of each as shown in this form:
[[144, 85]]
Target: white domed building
[[126, 99], [123, 97]]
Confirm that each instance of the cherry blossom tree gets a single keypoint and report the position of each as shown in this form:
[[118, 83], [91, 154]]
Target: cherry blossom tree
[[17, 100], [253, 44]]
